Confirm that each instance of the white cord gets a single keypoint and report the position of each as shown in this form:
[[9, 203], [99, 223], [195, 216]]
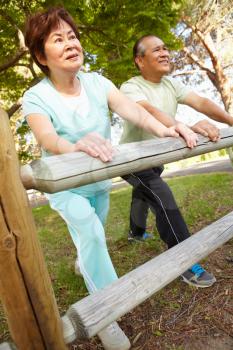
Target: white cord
[[156, 196]]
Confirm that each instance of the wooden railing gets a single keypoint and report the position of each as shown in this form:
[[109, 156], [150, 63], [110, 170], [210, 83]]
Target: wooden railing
[[58, 173]]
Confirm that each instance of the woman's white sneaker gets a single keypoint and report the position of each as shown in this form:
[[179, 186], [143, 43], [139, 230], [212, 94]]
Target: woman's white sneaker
[[113, 338]]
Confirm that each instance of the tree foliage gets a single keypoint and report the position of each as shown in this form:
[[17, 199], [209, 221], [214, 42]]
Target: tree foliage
[[112, 28], [108, 31], [206, 29]]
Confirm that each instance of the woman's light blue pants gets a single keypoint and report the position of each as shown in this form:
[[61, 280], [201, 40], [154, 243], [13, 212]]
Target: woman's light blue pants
[[85, 217]]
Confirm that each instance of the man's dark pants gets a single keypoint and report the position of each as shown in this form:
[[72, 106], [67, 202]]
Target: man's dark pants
[[149, 190]]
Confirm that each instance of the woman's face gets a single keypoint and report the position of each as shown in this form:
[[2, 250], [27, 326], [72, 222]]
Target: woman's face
[[63, 51]]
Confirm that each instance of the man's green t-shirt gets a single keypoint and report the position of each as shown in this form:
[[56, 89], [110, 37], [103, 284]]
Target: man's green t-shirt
[[164, 95]]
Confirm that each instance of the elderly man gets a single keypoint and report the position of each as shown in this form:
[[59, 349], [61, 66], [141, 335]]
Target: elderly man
[[160, 95]]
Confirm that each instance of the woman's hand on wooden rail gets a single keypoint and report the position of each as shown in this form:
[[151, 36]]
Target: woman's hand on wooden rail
[[188, 135], [95, 146]]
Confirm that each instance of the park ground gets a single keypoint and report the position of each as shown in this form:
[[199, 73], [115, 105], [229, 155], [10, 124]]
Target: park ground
[[178, 317]]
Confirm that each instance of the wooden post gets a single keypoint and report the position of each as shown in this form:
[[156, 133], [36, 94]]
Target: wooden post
[[25, 287], [61, 172]]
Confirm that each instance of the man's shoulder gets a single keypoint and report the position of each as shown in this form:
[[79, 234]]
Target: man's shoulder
[[134, 80], [177, 87], [132, 84], [167, 79], [175, 82], [140, 81]]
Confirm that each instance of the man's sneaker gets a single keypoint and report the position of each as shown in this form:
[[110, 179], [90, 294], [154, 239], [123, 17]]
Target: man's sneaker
[[198, 277], [113, 338], [77, 268], [133, 238]]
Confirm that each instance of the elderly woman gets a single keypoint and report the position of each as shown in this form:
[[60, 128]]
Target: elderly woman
[[68, 111]]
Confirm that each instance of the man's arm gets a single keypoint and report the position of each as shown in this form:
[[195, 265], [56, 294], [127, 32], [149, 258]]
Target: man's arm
[[183, 130], [207, 107], [205, 128], [164, 118]]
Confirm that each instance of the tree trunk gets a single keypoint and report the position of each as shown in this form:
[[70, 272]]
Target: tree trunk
[[218, 77]]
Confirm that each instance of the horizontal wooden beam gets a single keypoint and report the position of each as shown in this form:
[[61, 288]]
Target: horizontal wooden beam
[[96, 311], [58, 173]]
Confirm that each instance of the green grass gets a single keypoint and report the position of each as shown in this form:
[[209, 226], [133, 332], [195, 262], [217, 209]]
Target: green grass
[[202, 199]]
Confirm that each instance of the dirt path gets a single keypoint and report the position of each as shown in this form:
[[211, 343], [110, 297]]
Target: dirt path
[[201, 168]]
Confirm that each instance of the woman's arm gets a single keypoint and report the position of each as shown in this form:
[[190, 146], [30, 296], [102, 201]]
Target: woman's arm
[[93, 144], [139, 116], [47, 136]]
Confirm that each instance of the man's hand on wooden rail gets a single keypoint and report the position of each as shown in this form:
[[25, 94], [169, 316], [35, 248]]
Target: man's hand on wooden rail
[[205, 128]]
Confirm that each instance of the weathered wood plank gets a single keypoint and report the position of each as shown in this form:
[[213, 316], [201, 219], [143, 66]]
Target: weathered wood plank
[[22, 322], [98, 310], [6, 346], [25, 287], [65, 171]]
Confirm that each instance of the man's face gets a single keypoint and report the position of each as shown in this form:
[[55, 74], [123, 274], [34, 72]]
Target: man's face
[[156, 58]]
